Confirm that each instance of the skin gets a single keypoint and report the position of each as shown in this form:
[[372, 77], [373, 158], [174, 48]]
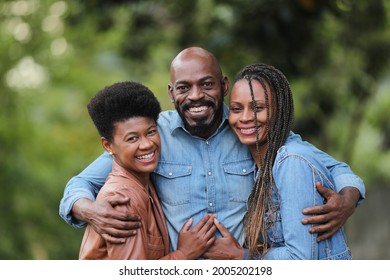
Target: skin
[[189, 69]]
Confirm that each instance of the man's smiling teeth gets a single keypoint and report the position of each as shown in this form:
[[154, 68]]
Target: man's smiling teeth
[[146, 157], [198, 109]]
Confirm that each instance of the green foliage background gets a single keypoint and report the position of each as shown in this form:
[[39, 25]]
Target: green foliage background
[[55, 55]]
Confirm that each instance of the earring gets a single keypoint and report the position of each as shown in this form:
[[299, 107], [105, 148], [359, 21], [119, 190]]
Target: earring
[[110, 153]]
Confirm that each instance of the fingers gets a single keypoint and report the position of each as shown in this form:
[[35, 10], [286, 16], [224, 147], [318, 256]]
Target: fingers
[[316, 210], [318, 219], [117, 199], [210, 242], [206, 222], [113, 240], [106, 208], [221, 228], [324, 231], [325, 235], [187, 225], [118, 237], [325, 192]]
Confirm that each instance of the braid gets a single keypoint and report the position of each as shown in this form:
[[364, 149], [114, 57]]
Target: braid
[[280, 118]]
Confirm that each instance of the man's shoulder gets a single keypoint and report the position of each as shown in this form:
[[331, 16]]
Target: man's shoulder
[[167, 117], [168, 114]]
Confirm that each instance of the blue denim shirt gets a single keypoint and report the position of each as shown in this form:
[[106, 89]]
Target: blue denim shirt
[[194, 177], [296, 169]]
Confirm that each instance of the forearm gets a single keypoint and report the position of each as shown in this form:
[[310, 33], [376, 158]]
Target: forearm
[[82, 209], [85, 185], [76, 190]]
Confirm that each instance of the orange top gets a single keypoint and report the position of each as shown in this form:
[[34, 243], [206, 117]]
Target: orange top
[[151, 241]]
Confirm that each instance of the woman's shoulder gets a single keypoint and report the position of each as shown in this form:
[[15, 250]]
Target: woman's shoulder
[[125, 187], [295, 146]]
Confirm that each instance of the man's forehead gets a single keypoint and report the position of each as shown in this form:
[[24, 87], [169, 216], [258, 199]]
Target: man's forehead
[[192, 72]]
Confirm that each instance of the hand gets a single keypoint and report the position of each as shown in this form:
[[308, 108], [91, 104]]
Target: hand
[[331, 216], [226, 247], [114, 226], [193, 243]]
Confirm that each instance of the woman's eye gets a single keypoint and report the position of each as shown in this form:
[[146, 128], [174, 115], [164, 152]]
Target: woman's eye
[[152, 132], [132, 139], [259, 108], [235, 109]]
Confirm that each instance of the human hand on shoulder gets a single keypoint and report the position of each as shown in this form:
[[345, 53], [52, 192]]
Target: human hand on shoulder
[[113, 225], [332, 215]]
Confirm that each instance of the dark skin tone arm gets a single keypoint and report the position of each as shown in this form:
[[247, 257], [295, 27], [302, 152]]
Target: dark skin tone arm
[[114, 226], [331, 216]]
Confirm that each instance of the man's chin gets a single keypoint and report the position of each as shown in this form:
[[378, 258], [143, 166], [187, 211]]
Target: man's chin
[[199, 128]]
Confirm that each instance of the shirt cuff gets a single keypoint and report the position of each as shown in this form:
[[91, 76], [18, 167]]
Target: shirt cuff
[[349, 180]]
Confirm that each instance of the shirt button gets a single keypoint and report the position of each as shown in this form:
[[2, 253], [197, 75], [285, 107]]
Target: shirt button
[[209, 173], [207, 142], [170, 173], [211, 204], [244, 170]]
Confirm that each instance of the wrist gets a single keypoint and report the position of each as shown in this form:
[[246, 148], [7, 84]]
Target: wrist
[[240, 254], [351, 195], [81, 209], [181, 255]]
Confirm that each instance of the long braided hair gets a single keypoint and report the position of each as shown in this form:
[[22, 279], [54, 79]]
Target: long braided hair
[[260, 218]]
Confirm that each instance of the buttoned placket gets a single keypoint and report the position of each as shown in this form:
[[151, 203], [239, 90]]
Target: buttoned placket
[[210, 181]]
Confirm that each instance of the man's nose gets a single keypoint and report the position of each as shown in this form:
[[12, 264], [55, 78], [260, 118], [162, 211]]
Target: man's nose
[[196, 93]]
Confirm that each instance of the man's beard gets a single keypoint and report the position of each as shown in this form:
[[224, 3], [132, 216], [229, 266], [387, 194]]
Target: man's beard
[[201, 127]]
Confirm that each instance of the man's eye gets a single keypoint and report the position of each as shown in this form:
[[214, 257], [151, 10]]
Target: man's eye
[[182, 88], [208, 84]]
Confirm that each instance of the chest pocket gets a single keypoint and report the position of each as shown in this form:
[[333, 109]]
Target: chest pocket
[[172, 182], [240, 179]]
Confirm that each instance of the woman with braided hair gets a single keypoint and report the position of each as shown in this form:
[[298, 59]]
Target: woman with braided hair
[[261, 115]]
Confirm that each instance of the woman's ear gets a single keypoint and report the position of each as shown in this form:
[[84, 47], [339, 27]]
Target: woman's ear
[[107, 145]]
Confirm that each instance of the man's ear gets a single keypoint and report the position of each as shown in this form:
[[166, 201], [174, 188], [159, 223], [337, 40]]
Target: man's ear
[[225, 85], [170, 93]]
